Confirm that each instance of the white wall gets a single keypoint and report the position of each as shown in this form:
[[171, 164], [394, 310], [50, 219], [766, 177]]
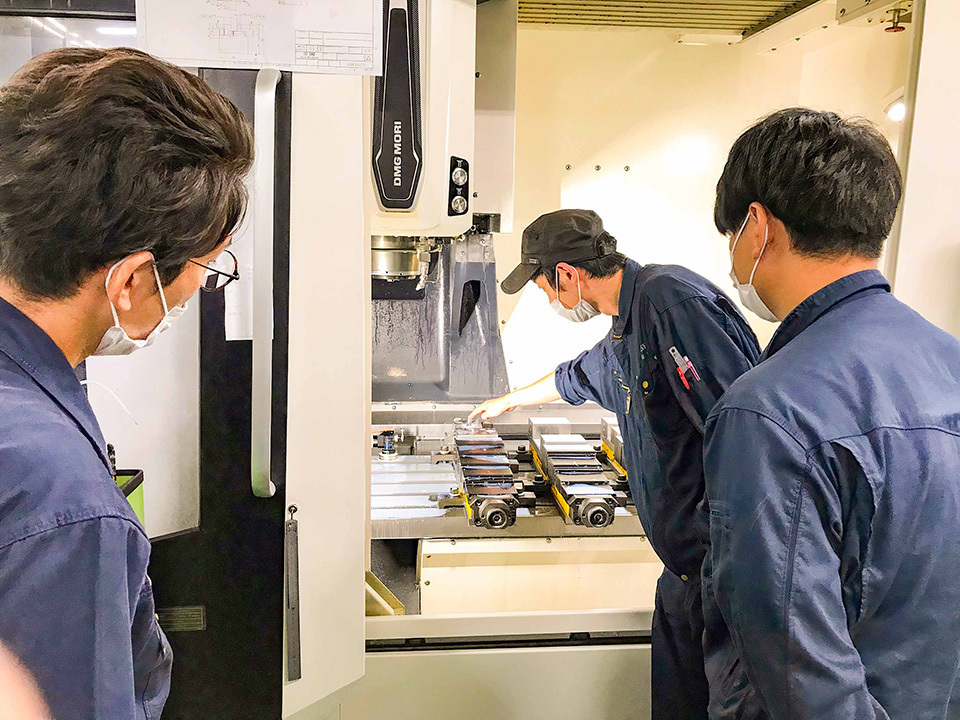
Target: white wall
[[160, 387], [928, 262], [618, 98]]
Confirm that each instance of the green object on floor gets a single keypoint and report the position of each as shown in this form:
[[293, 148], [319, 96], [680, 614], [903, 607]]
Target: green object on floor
[[131, 483]]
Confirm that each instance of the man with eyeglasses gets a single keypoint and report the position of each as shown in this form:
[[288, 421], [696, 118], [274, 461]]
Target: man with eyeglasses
[[121, 181]]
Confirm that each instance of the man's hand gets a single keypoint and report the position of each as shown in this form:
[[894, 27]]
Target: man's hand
[[494, 408], [541, 392]]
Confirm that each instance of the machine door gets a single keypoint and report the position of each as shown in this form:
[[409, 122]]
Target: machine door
[[264, 603], [328, 411], [220, 588]]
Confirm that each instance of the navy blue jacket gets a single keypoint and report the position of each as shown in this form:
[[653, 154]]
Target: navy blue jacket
[[75, 602], [631, 373], [832, 586]]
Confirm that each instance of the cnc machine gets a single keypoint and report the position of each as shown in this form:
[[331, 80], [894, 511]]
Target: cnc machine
[[339, 478], [495, 538]]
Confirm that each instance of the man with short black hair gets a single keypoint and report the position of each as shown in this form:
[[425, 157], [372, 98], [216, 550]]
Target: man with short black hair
[[833, 467], [677, 342], [121, 181]]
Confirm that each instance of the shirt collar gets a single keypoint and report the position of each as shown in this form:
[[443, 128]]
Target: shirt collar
[[811, 309], [27, 345], [628, 288]]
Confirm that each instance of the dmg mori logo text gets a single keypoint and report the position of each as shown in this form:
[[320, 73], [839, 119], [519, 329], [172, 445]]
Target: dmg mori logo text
[[397, 153]]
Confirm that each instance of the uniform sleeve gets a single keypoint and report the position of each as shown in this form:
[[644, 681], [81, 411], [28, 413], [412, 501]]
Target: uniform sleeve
[[578, 380], [67, 601], [697, 329], [776, 574]]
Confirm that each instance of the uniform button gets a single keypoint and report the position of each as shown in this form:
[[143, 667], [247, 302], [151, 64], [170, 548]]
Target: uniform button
[[684, 578], [646, 384]]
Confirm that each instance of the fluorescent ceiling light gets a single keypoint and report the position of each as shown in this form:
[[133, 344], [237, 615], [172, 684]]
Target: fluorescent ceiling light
[[115, 30], [720, 38], [53, 32], [58, 25], [91, 44], [49, 29]]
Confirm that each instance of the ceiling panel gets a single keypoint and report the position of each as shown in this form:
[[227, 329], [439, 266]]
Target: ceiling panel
[[738, 15]]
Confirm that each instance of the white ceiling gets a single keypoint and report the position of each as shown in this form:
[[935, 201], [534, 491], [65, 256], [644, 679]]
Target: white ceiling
[[718, 15]]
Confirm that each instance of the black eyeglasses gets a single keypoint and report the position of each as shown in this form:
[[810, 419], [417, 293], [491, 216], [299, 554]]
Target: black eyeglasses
[[223, 271]]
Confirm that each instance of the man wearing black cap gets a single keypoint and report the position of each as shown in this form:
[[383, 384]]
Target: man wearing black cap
[[676, 344]]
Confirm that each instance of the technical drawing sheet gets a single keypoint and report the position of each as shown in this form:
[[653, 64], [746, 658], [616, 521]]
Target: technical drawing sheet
[[320, 36]]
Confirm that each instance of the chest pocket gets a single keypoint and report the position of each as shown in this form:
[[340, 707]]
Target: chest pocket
[[624, 376]]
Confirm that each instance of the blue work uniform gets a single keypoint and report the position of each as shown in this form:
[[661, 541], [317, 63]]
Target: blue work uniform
[[632, 372], [76, 605], [832, 585]]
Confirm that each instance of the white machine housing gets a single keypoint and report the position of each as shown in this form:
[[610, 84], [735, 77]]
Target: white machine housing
[[447, 76]]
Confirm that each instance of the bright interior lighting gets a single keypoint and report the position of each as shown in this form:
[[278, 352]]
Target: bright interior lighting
[[707, 38], [91, 44], [688, 155], [114, 30], [898, 111], [58, 25], [54, 32], [49, 29]]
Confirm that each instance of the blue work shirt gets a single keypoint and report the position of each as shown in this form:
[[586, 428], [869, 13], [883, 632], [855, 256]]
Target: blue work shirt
[[832, 586], [631, 373], [76, 605]]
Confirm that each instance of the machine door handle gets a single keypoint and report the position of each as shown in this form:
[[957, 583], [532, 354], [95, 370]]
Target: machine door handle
[[261, 415]]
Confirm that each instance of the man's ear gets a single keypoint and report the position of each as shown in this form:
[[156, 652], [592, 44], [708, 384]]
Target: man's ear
[[761, 229], [566, 274], [125, 277]]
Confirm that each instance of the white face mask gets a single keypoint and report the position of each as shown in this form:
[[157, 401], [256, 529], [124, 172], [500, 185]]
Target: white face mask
[[748, 293], [116, 341], [580, 312]]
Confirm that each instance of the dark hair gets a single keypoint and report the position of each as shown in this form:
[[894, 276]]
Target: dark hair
[[834, 183], [105, 153], [600, 268]]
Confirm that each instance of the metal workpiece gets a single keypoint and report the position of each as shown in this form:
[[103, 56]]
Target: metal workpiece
[[611, 439], [584, 491], [419, 494], [486, 478]]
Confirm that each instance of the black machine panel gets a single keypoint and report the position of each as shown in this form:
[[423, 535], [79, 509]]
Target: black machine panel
[[397, 117], [231, 569]]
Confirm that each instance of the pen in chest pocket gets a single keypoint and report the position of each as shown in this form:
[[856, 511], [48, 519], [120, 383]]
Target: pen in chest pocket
[[683, 366]]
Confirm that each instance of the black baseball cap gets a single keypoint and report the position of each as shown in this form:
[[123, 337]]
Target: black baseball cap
[[568, 236]]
